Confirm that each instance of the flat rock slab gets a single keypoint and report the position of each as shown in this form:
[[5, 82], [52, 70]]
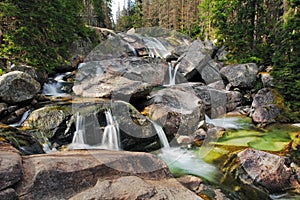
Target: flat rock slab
[[65, 174]]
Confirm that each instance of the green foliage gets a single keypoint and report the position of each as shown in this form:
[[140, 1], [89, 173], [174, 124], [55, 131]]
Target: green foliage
[[42, 32], [286, 58]]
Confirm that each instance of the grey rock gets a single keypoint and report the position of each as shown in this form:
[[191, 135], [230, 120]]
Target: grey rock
[[241, 76], [16, 87]]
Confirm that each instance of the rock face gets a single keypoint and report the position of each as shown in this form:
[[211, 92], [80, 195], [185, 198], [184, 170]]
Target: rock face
[[264, 169], [241, 76], [16, 87], [79, 174]]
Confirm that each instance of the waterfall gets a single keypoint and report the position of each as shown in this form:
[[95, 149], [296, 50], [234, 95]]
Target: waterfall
[[172, 77], [88, 134], [23, 118], [161, 135], [155, 47], [111, 135]]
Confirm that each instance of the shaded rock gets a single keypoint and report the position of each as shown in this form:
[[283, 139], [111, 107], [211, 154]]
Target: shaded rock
[[10, 169], [22, 141], [65, 174], [267, 170], [8, 194], [241, 76], [265, 110], [234, 100], [133, 188], [16, 87], [3, 109], [177, 109]]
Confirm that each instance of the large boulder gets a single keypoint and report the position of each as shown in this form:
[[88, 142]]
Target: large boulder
[[112, 86], [51, 124], [177, 109], [16, 87], [65, 174], [197, 65], [264, 169], [241, 76]]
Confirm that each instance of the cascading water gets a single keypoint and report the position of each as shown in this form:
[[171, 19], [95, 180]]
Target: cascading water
[[161, 135], [53, 87], [172, 77], [23, 118], [88, 134], [111, 135], [155, 47]]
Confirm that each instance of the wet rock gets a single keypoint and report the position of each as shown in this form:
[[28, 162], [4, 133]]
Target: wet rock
[[10, 168], [16, 87], [265, 110], [22, 141], [264, 169], [241, 76], [65, 174], [132, 187], [177, 109], [50, 121]]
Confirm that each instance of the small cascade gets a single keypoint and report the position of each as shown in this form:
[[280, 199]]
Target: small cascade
[[111, 135], [88, 134], [53, 88], [172, 77], [225, 122], [161, 135], [23, 118], [155, 47]]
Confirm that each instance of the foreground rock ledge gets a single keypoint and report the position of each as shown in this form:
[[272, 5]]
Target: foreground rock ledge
[[75, 173]]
